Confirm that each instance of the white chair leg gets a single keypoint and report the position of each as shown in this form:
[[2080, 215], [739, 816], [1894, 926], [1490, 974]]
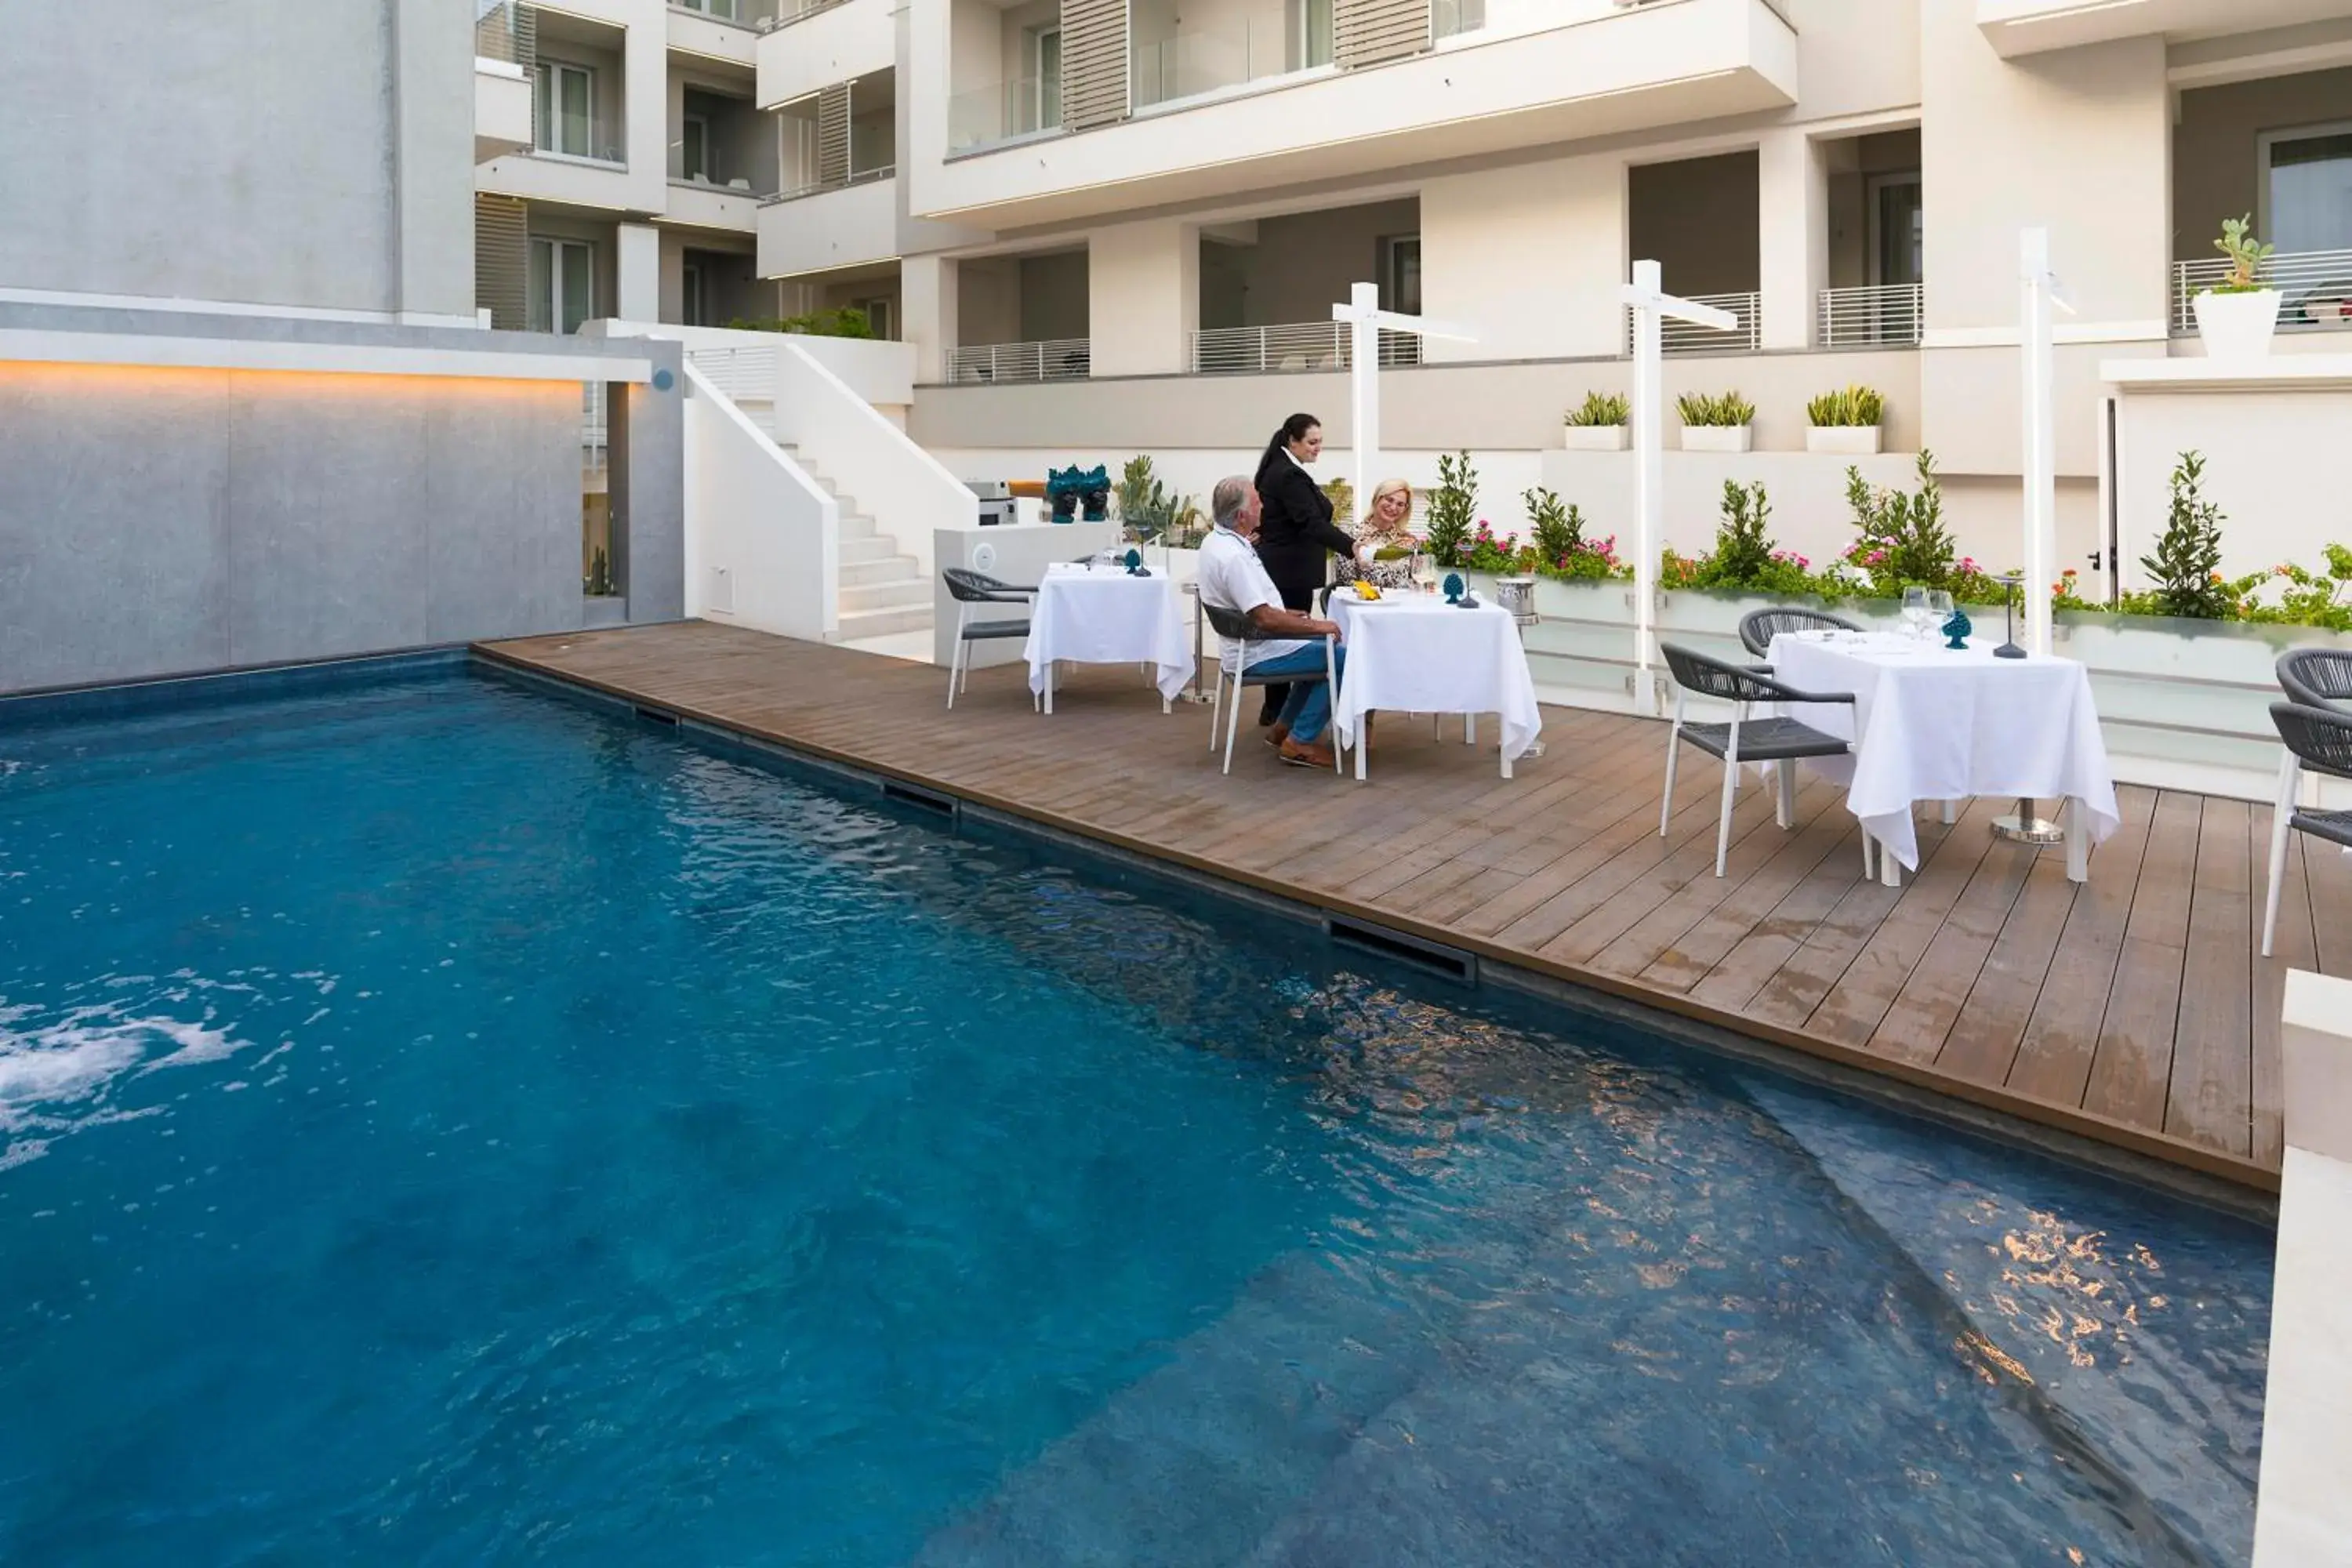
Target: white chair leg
[[2281, 826], [1217, 708], [1233, 723], [1723, 825], [1785, 810], [1331, 707], [1666, 806], [955, 656]]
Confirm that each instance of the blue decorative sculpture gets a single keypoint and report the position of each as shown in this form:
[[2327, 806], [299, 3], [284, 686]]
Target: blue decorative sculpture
[[1068, 489], [1958, 629], [1454, 586], [1135, 566]]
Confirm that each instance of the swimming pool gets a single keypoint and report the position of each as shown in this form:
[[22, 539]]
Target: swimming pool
[[439, 1123]]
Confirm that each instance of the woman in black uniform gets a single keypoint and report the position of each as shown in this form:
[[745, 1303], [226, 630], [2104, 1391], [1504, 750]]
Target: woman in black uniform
[[1295, 532]]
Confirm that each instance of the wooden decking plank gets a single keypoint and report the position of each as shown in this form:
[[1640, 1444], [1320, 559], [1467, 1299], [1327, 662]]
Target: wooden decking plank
[[2053, 1061], [1696, 951], [1918, 1023], [1981, 1042], [2212, 1090], [2295, 947], [2131, 1072]]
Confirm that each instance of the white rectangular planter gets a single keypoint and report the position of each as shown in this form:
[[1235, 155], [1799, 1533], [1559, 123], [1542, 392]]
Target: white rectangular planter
[[2237, 326], [1596, 437], [1718, 438], [1843, 440]]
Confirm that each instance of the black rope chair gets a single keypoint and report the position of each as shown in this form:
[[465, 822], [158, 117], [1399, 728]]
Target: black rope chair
[[1759, 627], [968, 588], [1745, 739], [2318, 740], [2317, 677], [1234, 625]]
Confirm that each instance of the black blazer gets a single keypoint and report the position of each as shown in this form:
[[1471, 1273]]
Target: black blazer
[[1295, 529]]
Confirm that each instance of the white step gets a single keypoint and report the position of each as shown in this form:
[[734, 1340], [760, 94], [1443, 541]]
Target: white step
[[886, 595], [855, 627], [889, 569], [872, 547], [855, 525]]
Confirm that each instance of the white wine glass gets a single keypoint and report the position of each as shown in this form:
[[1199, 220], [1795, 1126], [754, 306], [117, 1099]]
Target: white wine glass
[[1914, 611], [1939, 608]]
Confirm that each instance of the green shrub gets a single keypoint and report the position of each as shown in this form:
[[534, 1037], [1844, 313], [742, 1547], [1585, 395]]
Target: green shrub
[[1901, 540], [1743, 539], [1857, 405], [1147, 508], [2186, 565], [1452, 509], [1698, 408], [1602, 409], [1557, 529], [846, 322]]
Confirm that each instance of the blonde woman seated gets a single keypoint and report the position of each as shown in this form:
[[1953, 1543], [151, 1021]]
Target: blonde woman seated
[[1383, 528]]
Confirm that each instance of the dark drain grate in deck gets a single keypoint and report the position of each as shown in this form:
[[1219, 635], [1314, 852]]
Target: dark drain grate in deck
[[655, 716], [1432, 957], [930, 800]]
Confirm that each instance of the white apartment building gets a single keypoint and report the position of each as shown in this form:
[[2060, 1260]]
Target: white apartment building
[[1113, 226]]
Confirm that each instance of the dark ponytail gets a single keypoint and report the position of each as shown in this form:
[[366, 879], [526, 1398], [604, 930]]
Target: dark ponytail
[[1294, 428]]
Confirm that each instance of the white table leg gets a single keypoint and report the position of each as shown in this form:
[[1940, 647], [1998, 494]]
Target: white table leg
[[2078, 842], [1890, 869], [1469, 729], [1951, 812], [1050, 666], [1360, 747], [1785, 810]]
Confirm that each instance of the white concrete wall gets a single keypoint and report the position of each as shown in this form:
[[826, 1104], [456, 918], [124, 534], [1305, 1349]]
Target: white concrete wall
[[832, 45], [1528, 258], [1020, 554], [763, 540], [1143, 296]]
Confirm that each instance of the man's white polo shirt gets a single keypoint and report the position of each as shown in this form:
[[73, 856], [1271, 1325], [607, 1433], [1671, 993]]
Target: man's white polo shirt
[[1234, 578]]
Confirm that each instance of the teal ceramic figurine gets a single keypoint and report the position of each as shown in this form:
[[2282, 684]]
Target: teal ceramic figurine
[[1135, 566], [1454, 586], [1958, 629]]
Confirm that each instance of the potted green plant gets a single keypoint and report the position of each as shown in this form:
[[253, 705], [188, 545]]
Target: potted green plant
[[1847, 423], [2236, 317], [1601, 424], [1723, 424]]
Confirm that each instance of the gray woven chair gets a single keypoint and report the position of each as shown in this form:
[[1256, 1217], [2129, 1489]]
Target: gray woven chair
[[2318, 740], [2317, 677], [1782, 741], [1759, 627], [1234, 625], [968, 588]]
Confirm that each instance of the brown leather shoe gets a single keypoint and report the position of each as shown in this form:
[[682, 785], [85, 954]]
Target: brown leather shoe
[[1307, 756], [1278, 736]]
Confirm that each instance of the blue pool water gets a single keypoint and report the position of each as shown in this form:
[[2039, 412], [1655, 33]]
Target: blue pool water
[[440, 1124]]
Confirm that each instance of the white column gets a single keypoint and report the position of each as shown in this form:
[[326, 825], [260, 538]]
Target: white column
[[1792, 191], [1143, 296], [1535, 251], [1649, 482], [926, 303], [636, 273], [2040, 442]]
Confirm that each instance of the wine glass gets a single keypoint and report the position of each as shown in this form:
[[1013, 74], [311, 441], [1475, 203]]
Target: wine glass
[[1425, 572], [1940, 607], [1914, 611]]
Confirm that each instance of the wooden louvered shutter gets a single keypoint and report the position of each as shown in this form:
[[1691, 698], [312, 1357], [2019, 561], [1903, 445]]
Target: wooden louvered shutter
[[833, 134], [502, 261], [1094, 62], [1368, 32]]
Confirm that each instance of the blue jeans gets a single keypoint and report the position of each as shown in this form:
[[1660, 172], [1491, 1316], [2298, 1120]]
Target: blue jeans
[[1310, 707]]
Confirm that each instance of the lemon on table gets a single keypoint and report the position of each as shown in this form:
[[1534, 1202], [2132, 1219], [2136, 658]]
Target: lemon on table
[[1366, 591]]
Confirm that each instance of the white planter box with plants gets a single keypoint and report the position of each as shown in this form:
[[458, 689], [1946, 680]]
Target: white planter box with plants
[[1845, 424], [1604, 423], [1725, 424], [2237, 318]]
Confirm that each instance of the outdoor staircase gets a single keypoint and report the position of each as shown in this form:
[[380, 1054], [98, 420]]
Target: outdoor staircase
[[882, 592]]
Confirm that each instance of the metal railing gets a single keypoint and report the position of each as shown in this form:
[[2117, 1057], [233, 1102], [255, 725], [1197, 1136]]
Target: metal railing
[[2317, 285], [1686, 338], [1197, 61], [790, 11], [1057, 359], [1886, 315], [591, 418], [1297, 346], [818, 188], [755, 14], [1447, 17], [744, 375], [985, 116], [506, 31]]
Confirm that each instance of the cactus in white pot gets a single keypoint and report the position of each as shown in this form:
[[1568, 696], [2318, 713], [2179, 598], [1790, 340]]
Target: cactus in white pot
[[2237, 317]]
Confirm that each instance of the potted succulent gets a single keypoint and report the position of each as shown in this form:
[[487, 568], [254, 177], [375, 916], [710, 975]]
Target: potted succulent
[[1603, 424], [1723, 424], [1847, 423], [2237, 316]]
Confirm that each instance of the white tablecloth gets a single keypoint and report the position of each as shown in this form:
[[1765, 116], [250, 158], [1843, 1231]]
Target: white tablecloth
[[1415, 653], [1103, 615], [1940, 724]]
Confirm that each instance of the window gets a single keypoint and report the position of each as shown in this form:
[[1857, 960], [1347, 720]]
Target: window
[[694, 151], [567, 106], [694, 300], [1898, 230], [2306, 188], [1044, 105], [723, 9], [1401, 274], [1310, 34], [562, 285], [877, 315]]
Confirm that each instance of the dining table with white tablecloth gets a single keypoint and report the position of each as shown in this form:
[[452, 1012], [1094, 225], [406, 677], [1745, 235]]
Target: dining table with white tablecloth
[[1934, 723], [1105, 614], [1415, 652]]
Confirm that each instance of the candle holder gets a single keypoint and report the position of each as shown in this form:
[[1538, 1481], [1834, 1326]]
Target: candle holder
[[2009, 648]]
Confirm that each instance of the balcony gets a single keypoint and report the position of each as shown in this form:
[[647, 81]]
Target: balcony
[[1745, 337], [2317, 286], [2034, 27], [501, 109], [719, 29], [811, 50], [1296, 346], [826, 228], [1889, 316], [1220, 127], [1057, 359]]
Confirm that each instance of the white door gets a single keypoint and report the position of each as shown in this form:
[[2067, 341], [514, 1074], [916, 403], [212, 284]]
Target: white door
[[562, 285]]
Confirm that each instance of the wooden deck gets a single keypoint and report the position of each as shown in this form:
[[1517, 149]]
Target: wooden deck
[[2135, 1008]]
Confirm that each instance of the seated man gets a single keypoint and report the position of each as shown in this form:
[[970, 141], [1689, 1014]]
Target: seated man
[[1233, 578]]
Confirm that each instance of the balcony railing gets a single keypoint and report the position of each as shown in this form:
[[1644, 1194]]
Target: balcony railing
[[1887, 316], [504, 30], [1008, 111], [1688, 338], [787, 12], [1447, 17], [759, 13], [818, 188], [2317, 285], [1304, 345], [1057, 359], [1200, 61]]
